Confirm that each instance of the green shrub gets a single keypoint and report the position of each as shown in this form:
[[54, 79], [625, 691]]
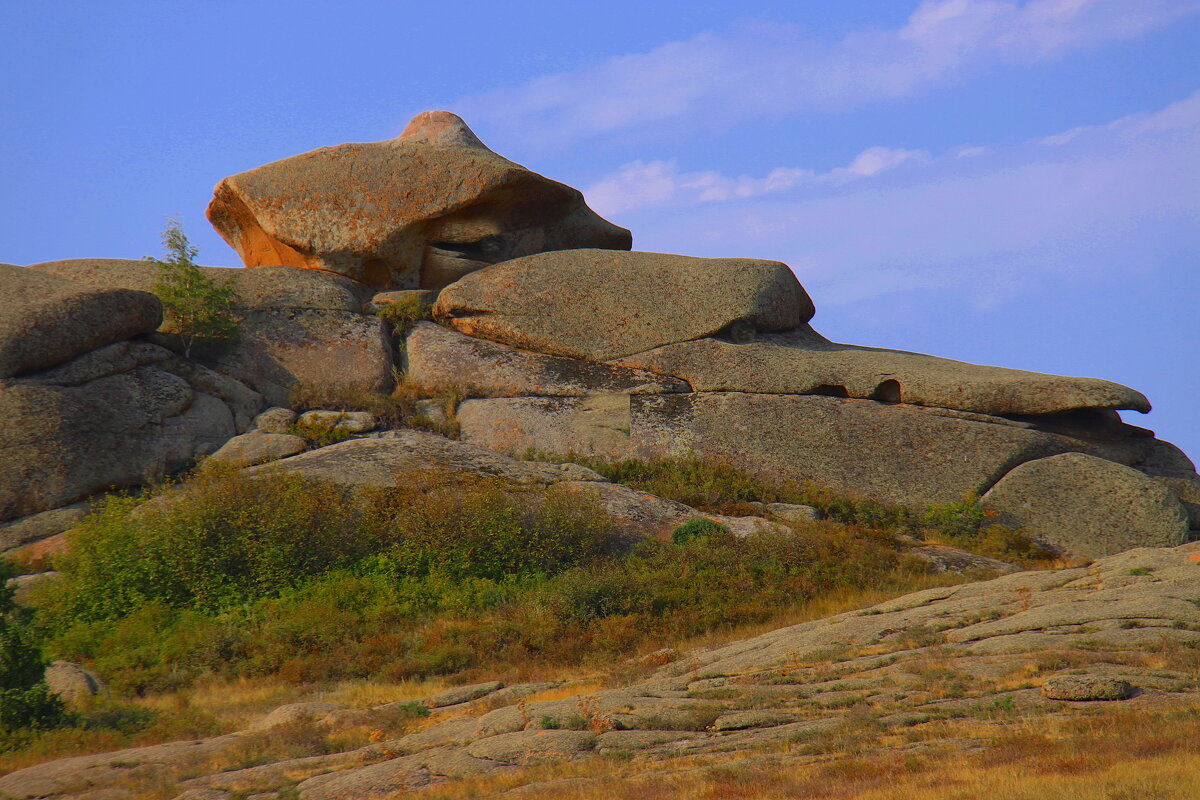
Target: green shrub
[[26, 702], [698, 529], [404, 314], [196, 307]]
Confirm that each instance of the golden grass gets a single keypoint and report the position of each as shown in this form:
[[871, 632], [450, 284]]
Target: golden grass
[[1147, 754]]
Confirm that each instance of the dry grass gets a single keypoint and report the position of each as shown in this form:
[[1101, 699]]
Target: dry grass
[[1145, 754]]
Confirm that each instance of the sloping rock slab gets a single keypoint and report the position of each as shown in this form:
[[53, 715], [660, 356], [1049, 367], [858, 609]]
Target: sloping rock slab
[[602, 305], [437, 356], [378, 461], [36, 527], [1087, 506], [46, 320], [906, 455], [597, 425], [813, 365], [416, 211]]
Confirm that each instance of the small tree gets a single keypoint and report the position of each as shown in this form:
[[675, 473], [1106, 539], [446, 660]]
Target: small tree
[[196, 306]]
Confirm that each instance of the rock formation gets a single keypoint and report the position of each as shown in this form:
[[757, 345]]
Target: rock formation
[[421, 210], [562, 341]]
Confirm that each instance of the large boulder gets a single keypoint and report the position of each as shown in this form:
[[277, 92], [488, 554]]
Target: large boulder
[[807, 363], [46, 320], [901, 454], [1088, 507], [297, 329], [116, 416], [437, 356], [601, 305], [420, 210]]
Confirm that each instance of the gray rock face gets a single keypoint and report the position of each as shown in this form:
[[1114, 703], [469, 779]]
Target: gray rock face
[[112, 417], [344, 421], [45, 320], [72, 682], [807, 363], [1087, 506], [298, 329], [602, 305], [595, 425], [378, 460], [437, 356], [462, 694], [418, 211], [906, 455], [256, 448], [275, 420]]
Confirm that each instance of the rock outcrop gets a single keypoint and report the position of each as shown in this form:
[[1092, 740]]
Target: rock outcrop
[[297, 329], [418, 211], [602, 305], [45, 321]]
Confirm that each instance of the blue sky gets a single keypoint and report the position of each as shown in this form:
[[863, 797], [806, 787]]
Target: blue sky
[[1003, 182]]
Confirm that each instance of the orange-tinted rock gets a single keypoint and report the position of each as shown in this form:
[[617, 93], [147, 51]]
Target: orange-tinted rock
[[417, 211]]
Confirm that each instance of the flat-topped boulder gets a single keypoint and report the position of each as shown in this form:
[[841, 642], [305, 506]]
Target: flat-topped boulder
[[602, 305], [46, 320], [417, 211], [807, 363]]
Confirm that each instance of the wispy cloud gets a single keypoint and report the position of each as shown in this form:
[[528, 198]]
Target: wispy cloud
[[769, 70], [1109, 199], [654, 184]]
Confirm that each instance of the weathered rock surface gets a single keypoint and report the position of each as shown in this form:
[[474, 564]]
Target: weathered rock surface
[[297, 329], [45, 320], [72, 682], [275, 420], [256, 447], [462, 694], [420, 210], [596, 425], [36, 527], [379, 459], [810, 364], [1087, 506], [1015, 642], [602, 305], [906, 455], [112, 417], [437, 356]]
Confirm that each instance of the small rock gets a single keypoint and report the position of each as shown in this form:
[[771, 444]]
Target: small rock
[[743, 720], [1086, 687], [72, 682], [293, 713], [461, 694], [257, 448], [346, 421], [432, 409], [656, 659], [793, 512], [275, 420], [22, 585]]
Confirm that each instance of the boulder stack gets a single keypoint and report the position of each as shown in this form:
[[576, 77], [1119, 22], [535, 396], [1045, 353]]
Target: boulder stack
[[561, 339]]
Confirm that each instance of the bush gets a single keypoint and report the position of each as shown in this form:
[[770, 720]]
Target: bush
[[26, 702], [698, 529], [195, 306]]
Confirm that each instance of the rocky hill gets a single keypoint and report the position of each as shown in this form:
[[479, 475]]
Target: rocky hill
[[423, 313]]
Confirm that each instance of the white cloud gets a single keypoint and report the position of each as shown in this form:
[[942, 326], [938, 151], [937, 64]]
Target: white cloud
[[768, 70], [655, 184], [1110, 200]]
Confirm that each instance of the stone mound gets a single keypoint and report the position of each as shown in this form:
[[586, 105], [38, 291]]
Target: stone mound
[[418, 211]]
